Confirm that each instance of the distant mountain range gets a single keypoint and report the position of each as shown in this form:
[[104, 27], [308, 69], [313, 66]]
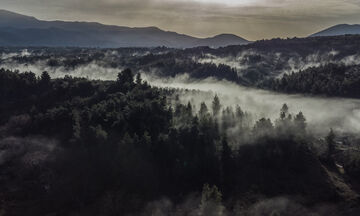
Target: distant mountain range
[[21, 30], [341, 29]]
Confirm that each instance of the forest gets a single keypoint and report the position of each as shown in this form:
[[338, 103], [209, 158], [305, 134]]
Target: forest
[[322, 66], [180, 108], [77, 146], [328, 80]]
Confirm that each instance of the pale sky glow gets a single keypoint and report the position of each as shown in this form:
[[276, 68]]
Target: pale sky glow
[[251, 19], [229, 2]]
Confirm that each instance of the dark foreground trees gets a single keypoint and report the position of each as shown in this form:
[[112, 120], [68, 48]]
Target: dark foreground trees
[[72, 145]]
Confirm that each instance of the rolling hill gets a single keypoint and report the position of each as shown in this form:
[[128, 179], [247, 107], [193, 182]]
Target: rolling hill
[[342, 29], [21, 30]]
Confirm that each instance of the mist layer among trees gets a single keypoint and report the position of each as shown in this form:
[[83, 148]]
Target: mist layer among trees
[[89, 147], [268, 128], [324, 66]]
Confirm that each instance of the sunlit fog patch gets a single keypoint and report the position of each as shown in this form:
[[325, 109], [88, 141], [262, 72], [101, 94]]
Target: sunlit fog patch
[[230, 2], [340, 114], [5, 56], [31, 151], [268, 63], [231, 61], [22, 53], [92, 71], [351, 60]]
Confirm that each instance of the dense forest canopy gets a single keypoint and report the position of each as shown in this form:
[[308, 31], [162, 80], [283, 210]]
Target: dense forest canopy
[[127, 119], [309, 62], [91, 147]]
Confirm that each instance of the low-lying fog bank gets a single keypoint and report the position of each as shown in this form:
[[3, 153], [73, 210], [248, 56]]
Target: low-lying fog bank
[[341, 114], [92, 71], [251, 59]]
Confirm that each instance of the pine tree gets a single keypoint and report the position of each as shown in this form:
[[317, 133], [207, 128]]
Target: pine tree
[[125, 80], [211, 201], [216, 106], [203, 110], [284, 111], [45, 77], [226, 165], [45, 80], [330, 140], [300, 122], [138, 79]]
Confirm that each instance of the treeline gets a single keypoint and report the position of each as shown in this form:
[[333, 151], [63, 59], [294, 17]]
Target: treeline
[[173, 67], [106, 136], [258, 64], [330, 80], [345, 44], [108, 148]]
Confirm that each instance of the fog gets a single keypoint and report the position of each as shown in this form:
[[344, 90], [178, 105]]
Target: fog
[[343, 115], [5, 56], [232, 61], [31, 151], [268, 64], [270, 61], [272, 206], [340, 114], [92, 71]]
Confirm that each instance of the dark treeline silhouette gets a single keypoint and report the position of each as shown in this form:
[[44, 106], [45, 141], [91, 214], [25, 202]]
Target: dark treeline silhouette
[[259, 64], [331, 80], [108, 148]]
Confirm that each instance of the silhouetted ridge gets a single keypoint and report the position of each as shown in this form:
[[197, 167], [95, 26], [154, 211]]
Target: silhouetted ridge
[[14, 27]]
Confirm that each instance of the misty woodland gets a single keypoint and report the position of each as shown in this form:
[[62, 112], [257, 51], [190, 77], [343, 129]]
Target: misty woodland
[[107, 120]]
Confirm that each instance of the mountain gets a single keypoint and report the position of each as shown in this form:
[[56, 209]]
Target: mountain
[[341, 29], [21, 30], [221, 41]]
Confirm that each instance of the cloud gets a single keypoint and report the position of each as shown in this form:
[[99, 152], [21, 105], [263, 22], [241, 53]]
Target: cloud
[[294, 63], [270, 206], [251, 19], [322, 113], [30, 151], [92, 70], [343, 115]]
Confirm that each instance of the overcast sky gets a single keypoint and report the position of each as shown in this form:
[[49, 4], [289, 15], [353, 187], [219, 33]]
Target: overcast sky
[[251, 19]]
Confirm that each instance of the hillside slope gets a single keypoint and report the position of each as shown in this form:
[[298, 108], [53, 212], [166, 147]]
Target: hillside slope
[[342, 29], [20, 30]]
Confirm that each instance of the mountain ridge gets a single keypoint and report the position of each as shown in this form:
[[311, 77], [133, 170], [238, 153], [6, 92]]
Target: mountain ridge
[[14, 26], [340, 29]]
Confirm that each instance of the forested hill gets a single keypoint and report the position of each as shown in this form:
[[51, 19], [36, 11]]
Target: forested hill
[[328, 80], [302, 46], [341, 29], [260, 64], [327, 66], [75, 146], [21, 30]]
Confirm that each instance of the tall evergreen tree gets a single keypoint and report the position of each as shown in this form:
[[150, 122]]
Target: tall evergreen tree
[[216, 106], [284, 111], [330, 141], [300, 123]]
